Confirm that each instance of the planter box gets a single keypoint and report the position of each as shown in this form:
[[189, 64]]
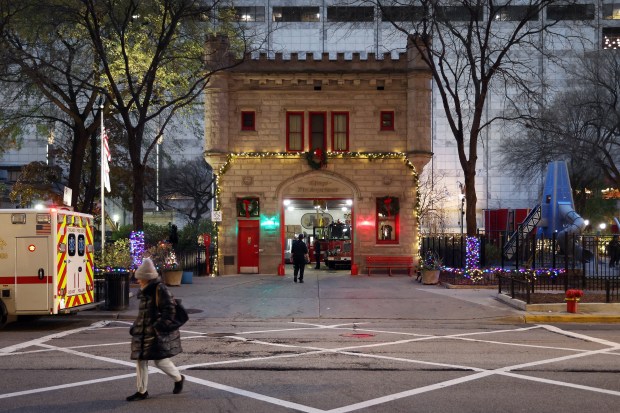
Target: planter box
[[187, 278], [173, 277], [430, 276]]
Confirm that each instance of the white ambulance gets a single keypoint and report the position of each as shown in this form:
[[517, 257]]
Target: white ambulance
[[46, 262]]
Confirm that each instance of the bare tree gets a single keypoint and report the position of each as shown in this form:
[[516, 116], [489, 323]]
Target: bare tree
[[186, 187], [581, 125], [433, 196], [471, 47]]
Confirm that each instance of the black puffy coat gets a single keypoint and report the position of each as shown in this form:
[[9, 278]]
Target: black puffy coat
[[152, 337]]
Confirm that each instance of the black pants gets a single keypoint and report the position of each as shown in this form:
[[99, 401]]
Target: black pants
[[317, 257], [300, 265]]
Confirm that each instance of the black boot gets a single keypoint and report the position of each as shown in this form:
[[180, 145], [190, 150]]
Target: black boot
[[138, 396], [178, 385]]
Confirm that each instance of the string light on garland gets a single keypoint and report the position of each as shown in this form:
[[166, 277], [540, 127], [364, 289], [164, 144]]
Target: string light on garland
[[476, 275], [371, 156]]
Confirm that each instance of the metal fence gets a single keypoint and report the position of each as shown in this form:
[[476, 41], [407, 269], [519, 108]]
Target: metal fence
[[575, 261], [194, 260], [519, 285]]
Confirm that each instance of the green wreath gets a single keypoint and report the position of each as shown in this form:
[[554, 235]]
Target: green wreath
[[312, 157], [388, 206], [252, 209]]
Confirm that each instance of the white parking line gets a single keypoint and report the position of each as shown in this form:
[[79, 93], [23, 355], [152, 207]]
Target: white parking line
[[305, 351], [25, 344]]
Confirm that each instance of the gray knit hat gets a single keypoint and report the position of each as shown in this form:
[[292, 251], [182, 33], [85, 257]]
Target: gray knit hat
[[146, 271]]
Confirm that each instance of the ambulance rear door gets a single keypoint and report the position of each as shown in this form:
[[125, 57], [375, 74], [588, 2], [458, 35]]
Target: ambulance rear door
[[76, 261], [33, 277]]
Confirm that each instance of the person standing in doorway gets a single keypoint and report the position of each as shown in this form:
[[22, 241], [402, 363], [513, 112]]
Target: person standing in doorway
[[317, 253], [299, 250], [153, 336]]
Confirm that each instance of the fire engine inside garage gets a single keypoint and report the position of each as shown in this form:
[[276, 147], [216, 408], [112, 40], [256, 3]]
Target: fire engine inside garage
[[326, 221]]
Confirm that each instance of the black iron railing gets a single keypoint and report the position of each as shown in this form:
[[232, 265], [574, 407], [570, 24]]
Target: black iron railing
[[536, 264]]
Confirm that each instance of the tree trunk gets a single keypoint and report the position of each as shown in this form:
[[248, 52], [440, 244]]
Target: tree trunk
[[470, 201], [138, 197]]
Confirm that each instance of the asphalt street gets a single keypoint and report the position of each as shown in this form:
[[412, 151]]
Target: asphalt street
[[261, 343]]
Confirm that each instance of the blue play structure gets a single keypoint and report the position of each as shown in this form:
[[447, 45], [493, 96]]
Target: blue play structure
[[554, 215]]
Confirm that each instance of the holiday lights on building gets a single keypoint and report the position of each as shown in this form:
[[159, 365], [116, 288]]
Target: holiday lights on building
[[370, 156]]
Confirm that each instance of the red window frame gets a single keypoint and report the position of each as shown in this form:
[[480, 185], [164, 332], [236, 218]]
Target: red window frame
[[251, 127], [288, 131], [346, 115], [392, 221], [390, 117]]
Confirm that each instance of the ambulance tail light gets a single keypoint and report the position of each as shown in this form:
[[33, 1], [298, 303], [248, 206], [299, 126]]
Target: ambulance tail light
[[61, 292], [90, 248], [62, 247]]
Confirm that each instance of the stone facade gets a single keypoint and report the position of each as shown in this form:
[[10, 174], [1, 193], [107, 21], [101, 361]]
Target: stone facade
[[379, 163]]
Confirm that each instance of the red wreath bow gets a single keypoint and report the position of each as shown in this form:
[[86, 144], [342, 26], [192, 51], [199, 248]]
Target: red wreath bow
[[246, 205], [387, 202]]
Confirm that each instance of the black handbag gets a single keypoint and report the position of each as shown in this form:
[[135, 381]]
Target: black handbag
[[180, 314]]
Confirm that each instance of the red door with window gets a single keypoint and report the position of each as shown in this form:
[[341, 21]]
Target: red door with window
[[248, 246]]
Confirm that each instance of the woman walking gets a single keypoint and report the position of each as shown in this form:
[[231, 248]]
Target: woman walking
[[154, 335]]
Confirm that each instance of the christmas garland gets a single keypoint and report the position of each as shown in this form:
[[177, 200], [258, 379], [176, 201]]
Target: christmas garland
[[317, 159], [388, 206], [247, 207]]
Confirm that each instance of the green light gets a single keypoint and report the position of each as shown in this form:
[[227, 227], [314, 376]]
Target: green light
[[269, 222]]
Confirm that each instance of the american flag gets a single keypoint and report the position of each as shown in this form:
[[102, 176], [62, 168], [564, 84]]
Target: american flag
[[106, 158], [44, 229]]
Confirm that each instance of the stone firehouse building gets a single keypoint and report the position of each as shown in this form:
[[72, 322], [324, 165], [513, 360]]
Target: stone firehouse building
[[288, 137]]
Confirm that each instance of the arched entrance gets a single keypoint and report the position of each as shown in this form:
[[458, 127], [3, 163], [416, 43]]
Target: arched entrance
[[320, 205]]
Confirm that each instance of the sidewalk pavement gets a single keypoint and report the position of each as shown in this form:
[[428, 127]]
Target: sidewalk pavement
[[327, 294]]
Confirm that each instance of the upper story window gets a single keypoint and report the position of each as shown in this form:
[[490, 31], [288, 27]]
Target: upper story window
[[317, 126], [350, 14], [514, 13], [611, 10], [402, 13], [387, 120], [248, 120], [296, 14], [611, 37], [295, 131], [460, 13], [249, 13], [571, 12], [340, 131]]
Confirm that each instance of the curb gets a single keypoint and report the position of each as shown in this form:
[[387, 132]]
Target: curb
[[571, 318]]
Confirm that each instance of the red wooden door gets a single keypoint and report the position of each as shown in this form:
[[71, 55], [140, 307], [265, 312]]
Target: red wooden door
[[247, 247]]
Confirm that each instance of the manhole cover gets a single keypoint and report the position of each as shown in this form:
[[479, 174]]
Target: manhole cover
[[357, 335], [219, 334]]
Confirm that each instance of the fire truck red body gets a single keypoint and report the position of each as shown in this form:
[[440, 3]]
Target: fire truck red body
[[336, 244]]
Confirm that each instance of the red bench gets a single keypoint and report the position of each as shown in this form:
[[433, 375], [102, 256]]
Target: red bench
[[390, 263]]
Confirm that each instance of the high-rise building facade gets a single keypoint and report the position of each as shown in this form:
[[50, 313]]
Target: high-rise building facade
[[333, 26]]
